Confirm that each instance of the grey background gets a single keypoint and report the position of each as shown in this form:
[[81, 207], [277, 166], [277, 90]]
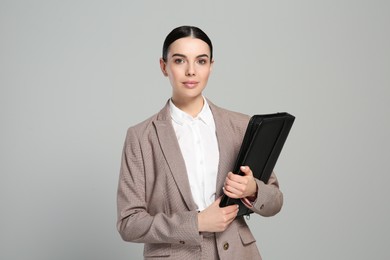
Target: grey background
[[74, 75]]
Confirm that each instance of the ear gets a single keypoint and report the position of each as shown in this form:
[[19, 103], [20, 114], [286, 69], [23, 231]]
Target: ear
[[163, 67]]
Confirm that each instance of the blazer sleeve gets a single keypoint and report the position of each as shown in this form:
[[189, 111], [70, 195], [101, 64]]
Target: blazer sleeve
[[269, 200], [134, 223]]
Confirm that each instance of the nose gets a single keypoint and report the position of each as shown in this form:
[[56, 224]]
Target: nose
[[190, 70]]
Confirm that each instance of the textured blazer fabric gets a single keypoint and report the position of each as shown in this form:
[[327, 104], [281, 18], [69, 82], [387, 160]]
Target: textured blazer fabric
[[155, 204]]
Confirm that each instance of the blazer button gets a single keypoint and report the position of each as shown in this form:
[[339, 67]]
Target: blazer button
[[226, 246], [182, 242]]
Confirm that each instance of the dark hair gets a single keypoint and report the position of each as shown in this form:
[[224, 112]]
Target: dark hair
[[182, 32]]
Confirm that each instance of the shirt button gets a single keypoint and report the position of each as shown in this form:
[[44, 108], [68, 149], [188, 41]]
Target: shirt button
[[226, 246]]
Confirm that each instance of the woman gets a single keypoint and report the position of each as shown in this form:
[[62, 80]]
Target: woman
[[175, 167]]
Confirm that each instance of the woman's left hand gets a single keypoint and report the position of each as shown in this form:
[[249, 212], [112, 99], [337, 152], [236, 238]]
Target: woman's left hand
[[237, 186]]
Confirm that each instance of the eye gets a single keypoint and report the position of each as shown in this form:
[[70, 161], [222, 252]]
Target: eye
[[202, 61], [179, 61]]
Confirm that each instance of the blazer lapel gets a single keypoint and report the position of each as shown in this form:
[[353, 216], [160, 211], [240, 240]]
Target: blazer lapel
[[226, 153], [171, 150]]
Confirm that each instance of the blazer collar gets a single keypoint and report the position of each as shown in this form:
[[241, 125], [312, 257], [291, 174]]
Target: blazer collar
[[171, 150], [225, 150]]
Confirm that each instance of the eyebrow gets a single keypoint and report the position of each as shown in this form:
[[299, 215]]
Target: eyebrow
[[184, 56]]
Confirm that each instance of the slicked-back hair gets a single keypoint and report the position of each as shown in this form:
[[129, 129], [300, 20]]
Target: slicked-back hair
[[183, 32]]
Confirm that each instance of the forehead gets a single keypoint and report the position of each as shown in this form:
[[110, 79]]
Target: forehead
[[189, 46]]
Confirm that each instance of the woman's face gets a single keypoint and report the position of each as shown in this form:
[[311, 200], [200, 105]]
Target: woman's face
[[188, 67]]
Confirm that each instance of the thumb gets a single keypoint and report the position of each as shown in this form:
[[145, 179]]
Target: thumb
[[246, 170]]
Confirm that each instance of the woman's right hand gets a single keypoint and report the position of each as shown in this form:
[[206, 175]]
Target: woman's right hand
[[216, 219]]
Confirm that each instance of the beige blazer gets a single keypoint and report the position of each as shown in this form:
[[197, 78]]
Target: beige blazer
[[155, 204]]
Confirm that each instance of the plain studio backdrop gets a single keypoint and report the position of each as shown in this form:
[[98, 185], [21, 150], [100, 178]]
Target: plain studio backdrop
[[74, 75]]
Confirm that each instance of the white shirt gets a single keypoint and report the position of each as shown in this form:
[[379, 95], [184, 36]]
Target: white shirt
[[199, 147]]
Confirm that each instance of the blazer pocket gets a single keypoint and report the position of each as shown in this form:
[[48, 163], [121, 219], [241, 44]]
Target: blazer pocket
[[156, 250], [246, 235]]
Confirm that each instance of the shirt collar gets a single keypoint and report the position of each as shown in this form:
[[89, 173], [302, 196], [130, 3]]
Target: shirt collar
[[181, 117]]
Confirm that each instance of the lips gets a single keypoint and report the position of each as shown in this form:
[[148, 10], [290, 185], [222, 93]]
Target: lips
[[190, 83]]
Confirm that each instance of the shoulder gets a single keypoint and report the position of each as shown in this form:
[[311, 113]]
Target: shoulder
[[144, 125], [147, 126], [228, 116]]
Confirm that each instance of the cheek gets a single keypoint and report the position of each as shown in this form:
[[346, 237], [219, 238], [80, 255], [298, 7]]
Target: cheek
[[175, 73], [205, 73]]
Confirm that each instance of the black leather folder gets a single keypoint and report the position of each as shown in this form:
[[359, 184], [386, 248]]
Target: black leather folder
[[263, 141]]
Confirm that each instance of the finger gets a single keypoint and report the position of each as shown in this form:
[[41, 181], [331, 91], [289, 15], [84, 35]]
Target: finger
[[237, 186], [246, 170], [234, 184], [227, 193], [230, 194], [217, 201], [231, 176], [230, 209], [237, 178], [232, 215]]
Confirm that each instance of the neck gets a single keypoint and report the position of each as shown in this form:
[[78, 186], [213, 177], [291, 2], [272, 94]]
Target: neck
[[191, 107]]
